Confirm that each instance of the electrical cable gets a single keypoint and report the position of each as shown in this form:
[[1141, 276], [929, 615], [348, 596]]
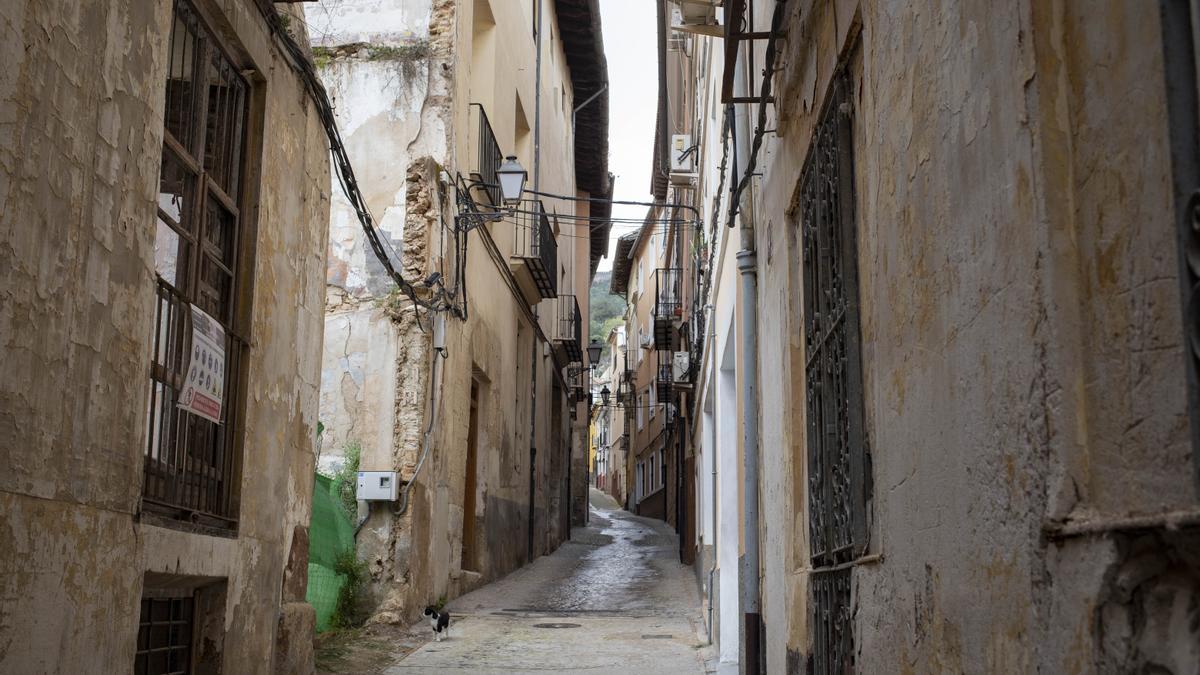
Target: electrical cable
[[343, 168]]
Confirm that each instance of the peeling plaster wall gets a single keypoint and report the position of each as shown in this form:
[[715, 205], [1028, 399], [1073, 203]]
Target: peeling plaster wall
[[81, 108], [401, 79], [1021, 338], [385, 110]]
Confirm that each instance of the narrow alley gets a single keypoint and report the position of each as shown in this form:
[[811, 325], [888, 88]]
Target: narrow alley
[[639, 336], [612, 599]]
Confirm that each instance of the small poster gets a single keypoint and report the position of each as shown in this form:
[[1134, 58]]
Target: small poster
[[204, 388]]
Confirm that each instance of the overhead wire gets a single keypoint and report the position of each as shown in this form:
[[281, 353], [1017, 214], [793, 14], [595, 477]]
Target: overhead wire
[[344, 171]]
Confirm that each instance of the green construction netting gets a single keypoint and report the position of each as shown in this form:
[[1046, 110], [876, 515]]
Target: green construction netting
[[329, 534]]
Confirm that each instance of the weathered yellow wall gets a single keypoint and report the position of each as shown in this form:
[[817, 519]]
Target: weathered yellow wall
[[81, 99]]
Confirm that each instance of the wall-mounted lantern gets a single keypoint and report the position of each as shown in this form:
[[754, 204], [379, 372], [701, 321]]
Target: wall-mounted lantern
[[512, 179], [593, 349], [604, 394]]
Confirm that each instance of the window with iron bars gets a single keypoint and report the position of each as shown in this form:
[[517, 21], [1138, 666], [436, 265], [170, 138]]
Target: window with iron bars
[[165, 636], [838, 481], [191, 464]]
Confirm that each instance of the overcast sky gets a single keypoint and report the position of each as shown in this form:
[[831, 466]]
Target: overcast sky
[[629, 44]]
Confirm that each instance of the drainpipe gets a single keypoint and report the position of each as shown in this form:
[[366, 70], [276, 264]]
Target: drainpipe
[[537, 104], [747, 263], [537, 185], [712, 507], [532, 438]]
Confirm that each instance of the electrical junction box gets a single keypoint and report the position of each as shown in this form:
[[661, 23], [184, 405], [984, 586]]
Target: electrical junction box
[[378, 486]]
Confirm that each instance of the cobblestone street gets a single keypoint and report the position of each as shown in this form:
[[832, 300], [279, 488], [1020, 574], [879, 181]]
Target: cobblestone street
[[613, 599]]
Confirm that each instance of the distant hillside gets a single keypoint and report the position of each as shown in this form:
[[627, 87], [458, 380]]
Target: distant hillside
[[607, 309]]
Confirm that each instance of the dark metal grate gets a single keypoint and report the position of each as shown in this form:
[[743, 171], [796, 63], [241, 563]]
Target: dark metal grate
[[487, 157], [838, 484], [833, 644], [190, 463], [164, 642]]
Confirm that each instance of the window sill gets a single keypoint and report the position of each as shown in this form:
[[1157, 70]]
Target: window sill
[[148, 517], [655, 492]]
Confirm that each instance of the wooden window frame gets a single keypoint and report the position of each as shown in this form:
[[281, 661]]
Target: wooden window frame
[[193, 466]]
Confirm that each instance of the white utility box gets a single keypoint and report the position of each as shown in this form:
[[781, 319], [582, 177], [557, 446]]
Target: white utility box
[[683, 154], [378, 486]]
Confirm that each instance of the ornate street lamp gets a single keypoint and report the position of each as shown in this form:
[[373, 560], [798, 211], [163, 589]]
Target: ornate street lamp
[[604, 393], [512, 179], [593, 349]]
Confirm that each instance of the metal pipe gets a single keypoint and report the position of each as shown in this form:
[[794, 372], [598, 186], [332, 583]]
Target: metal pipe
[[537, 103], [537, 184], [584, 104], [747, 261], [712, 567]]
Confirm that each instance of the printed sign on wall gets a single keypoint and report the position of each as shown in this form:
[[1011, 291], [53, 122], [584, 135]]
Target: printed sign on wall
[[204, 388]]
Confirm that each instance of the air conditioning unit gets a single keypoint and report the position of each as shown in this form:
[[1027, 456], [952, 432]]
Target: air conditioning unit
[[683, 155], [680, 365], [696, 16], [647, 341]]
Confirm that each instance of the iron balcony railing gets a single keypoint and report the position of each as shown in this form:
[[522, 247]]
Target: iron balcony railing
[[190, 462], [567, 328], [663, 381], [668, 305], [486, 158], [534, 244]]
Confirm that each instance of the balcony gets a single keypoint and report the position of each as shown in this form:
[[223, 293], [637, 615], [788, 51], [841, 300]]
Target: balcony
[[664, 377], [485, 157], [534, 259], [564, 328], [625, 395], [668, 308]]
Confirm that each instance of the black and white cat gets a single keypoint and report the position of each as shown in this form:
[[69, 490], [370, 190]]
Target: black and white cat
[[439, 622]]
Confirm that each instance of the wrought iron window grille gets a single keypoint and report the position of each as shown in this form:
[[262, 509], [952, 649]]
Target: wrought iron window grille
[[838, 480], [486, 160]]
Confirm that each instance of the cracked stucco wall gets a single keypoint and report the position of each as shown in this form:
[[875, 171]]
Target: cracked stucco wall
[[81, 106], [1021, 336], [390, 112], [405, 122]]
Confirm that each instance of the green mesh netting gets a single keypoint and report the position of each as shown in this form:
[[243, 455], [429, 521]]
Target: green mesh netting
[[329, 534]]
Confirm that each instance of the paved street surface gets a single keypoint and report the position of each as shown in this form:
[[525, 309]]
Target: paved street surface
[[615, 599]]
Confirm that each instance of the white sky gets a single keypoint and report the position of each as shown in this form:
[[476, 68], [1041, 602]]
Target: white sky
[[630, 46]]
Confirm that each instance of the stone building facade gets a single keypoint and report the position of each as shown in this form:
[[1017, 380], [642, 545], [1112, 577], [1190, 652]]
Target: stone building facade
[[971, 327], [136, 536], [479, 405]]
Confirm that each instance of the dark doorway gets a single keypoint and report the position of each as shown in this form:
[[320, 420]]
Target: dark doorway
[[469, 489]]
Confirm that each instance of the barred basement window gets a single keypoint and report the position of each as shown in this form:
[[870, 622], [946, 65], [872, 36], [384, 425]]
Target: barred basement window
[[838, 484], [165, 635], [190, 462]]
